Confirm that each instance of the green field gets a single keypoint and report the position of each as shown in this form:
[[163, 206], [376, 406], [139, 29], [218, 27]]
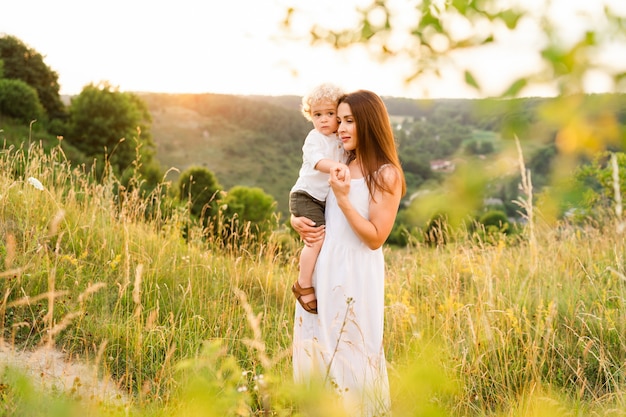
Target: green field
[[533, 325]]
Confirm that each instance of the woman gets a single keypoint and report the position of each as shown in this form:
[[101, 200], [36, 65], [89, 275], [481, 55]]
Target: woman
[[343, 343]]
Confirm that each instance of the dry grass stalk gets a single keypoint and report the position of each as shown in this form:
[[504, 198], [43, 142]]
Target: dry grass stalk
[[526, 202], [617, 194]]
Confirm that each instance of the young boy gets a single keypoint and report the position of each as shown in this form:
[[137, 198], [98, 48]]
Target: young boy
[[322, 150]]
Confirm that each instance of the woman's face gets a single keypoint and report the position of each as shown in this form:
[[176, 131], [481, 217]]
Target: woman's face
[[347, 127]]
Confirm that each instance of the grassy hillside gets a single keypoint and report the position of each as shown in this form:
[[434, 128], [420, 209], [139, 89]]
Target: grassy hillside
[[473, 328], [256, 141]]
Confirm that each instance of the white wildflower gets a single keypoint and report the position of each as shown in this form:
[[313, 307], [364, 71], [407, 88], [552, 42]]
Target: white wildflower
[[36, 183]]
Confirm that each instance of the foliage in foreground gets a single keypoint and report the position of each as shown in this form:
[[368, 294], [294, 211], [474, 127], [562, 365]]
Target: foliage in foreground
[[527, 326]]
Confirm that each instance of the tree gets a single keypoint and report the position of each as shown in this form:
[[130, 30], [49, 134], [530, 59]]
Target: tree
[[248, 211], [24, 63], [446, 30], [472, 147], [598, 184], [20, 101], [107, 123], [200, 187], [435, 39]]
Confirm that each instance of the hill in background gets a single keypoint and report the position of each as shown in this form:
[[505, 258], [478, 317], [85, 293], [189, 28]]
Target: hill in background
[[256, 141], [244, 140]]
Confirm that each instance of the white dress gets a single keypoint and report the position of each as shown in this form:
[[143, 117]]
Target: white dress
[[343, 344]]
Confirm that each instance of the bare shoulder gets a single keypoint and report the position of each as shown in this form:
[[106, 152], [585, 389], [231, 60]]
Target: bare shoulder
[[390, 175]]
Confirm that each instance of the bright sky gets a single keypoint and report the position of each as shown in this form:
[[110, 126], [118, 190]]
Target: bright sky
[[237, 47]]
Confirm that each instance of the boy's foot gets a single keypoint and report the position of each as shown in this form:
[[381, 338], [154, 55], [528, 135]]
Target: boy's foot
[[298, 292]]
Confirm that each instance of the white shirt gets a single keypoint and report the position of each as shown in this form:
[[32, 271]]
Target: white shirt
[[318, 146]]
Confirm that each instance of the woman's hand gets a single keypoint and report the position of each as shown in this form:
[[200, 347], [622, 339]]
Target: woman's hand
[[307, 230], [340, 181]]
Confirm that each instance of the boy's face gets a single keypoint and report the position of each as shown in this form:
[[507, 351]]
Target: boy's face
[[324, 115]]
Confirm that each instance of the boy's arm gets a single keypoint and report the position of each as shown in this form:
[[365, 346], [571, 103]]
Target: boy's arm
[[326, 165]]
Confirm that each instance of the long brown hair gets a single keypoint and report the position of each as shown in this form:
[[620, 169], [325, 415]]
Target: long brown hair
[[375, 142]]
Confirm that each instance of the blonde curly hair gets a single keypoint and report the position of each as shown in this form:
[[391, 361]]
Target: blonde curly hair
[[323, 92]]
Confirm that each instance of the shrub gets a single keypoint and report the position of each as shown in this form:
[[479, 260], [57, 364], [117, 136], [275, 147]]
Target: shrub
[[495, 219], [437, 230], [20, 101], [200, 187], [248, 212]]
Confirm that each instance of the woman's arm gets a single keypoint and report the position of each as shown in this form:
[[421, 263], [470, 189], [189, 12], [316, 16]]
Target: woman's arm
[[382, 210]]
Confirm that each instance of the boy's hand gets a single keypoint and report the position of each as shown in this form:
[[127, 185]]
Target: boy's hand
[[339, 172], [340, 181]]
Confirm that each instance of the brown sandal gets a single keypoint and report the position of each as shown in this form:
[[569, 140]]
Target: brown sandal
[[298, 292]]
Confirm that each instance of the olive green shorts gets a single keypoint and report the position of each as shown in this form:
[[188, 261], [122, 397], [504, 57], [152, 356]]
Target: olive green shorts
[[301, 204]]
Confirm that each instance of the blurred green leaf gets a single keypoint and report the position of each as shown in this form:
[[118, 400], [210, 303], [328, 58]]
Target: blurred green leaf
[[367, 31], [510, 18], [428, 20], [470, 80], [515, 88], [460, 5]]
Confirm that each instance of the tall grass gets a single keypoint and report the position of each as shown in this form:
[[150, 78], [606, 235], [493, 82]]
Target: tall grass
[[187, 327]]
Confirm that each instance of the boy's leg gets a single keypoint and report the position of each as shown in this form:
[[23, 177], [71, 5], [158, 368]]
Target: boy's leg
[[302, 204], [308, 258]]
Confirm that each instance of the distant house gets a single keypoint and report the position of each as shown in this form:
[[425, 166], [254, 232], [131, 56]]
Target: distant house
[[493, 202], [442, 165]]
